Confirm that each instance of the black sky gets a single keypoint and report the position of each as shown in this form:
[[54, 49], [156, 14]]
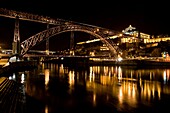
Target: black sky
[[147, 16], [150, 17]]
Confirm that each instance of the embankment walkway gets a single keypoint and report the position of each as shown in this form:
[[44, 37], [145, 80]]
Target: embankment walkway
[[12, 98]]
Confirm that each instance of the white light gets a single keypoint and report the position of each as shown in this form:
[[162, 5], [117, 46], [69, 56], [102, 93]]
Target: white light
[[10, 78], [119, 59], [22, 78], [13, 76]]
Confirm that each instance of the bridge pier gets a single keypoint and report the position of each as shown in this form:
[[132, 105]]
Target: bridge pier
[[16, 48], [47, 42], [72, 43]]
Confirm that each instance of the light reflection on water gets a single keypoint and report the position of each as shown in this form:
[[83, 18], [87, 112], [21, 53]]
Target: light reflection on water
[[107, 88]]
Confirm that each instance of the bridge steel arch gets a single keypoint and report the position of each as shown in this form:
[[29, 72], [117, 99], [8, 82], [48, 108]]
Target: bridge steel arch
[[41, 36]]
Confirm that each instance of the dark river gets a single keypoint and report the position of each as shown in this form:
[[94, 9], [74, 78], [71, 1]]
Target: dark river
[[55, 88]]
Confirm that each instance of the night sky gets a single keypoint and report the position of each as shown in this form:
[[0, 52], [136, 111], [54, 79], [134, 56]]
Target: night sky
[[151, 18]]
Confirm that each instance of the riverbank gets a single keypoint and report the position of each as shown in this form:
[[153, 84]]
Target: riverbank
[[134, 62], [126, 62], [17, 66], [12, 98]]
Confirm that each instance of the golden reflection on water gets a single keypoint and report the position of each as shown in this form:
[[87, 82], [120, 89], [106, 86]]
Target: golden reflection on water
[[94, 99], [71, 78], [46, 109], [126, 84], [47, 75]]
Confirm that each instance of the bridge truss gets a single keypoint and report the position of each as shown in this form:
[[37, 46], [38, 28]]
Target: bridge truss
[[61, 26]]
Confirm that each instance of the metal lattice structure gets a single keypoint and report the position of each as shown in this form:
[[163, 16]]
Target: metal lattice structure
[[61, 26], [31, 17], [29, 43]]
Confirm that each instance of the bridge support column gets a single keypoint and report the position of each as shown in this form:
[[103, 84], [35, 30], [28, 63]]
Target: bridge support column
[[47, 43], [16, 47], [72, 43]]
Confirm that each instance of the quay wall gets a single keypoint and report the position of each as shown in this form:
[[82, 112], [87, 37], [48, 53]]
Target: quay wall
[[17, 66], [126, 62]]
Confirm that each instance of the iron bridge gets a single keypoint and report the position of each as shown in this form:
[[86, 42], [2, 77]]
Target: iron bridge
[[61, 26]]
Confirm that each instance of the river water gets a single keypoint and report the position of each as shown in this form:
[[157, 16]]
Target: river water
[[56, 88]]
